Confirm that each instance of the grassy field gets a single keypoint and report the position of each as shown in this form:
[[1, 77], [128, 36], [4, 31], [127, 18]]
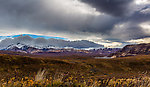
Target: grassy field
[[74, 71]]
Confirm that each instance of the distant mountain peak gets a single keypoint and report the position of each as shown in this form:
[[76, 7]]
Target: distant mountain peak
[[43, 43]]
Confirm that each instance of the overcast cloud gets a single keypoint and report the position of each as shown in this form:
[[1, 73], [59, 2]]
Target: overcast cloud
[[101, 21]]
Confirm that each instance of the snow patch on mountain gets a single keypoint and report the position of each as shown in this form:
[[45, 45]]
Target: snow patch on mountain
[[41, 43]]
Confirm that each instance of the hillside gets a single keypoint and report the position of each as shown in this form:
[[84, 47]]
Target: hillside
[[85, 65], [71, 71], [132, 50]]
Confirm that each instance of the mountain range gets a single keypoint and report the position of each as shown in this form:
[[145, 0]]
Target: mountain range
[[34, 44], [55, 51], [41, 42]]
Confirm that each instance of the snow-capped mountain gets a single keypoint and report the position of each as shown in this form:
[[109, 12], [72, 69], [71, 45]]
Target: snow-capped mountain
[[18, 45], [51, 50], [20, 48], [27, 44], [41, 43]]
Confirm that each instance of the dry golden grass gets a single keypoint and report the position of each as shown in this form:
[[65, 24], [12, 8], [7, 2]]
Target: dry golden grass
[[74, 71], [66, 80]]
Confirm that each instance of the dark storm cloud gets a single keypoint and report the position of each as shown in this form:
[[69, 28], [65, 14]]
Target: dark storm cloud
[[139, 17], [35, 16], [129, 32], [17, 13], [66, 18], [113, 7]]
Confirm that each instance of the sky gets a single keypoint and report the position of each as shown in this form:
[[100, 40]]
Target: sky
[[112, 23]]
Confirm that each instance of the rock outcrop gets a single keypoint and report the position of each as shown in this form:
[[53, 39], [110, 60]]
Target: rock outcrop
[[132, 50]]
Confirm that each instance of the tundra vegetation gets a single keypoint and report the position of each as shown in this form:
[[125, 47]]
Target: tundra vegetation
[[74, 71]]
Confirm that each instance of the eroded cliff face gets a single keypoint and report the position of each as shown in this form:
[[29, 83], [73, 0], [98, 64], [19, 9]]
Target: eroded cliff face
[[132, 50]]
